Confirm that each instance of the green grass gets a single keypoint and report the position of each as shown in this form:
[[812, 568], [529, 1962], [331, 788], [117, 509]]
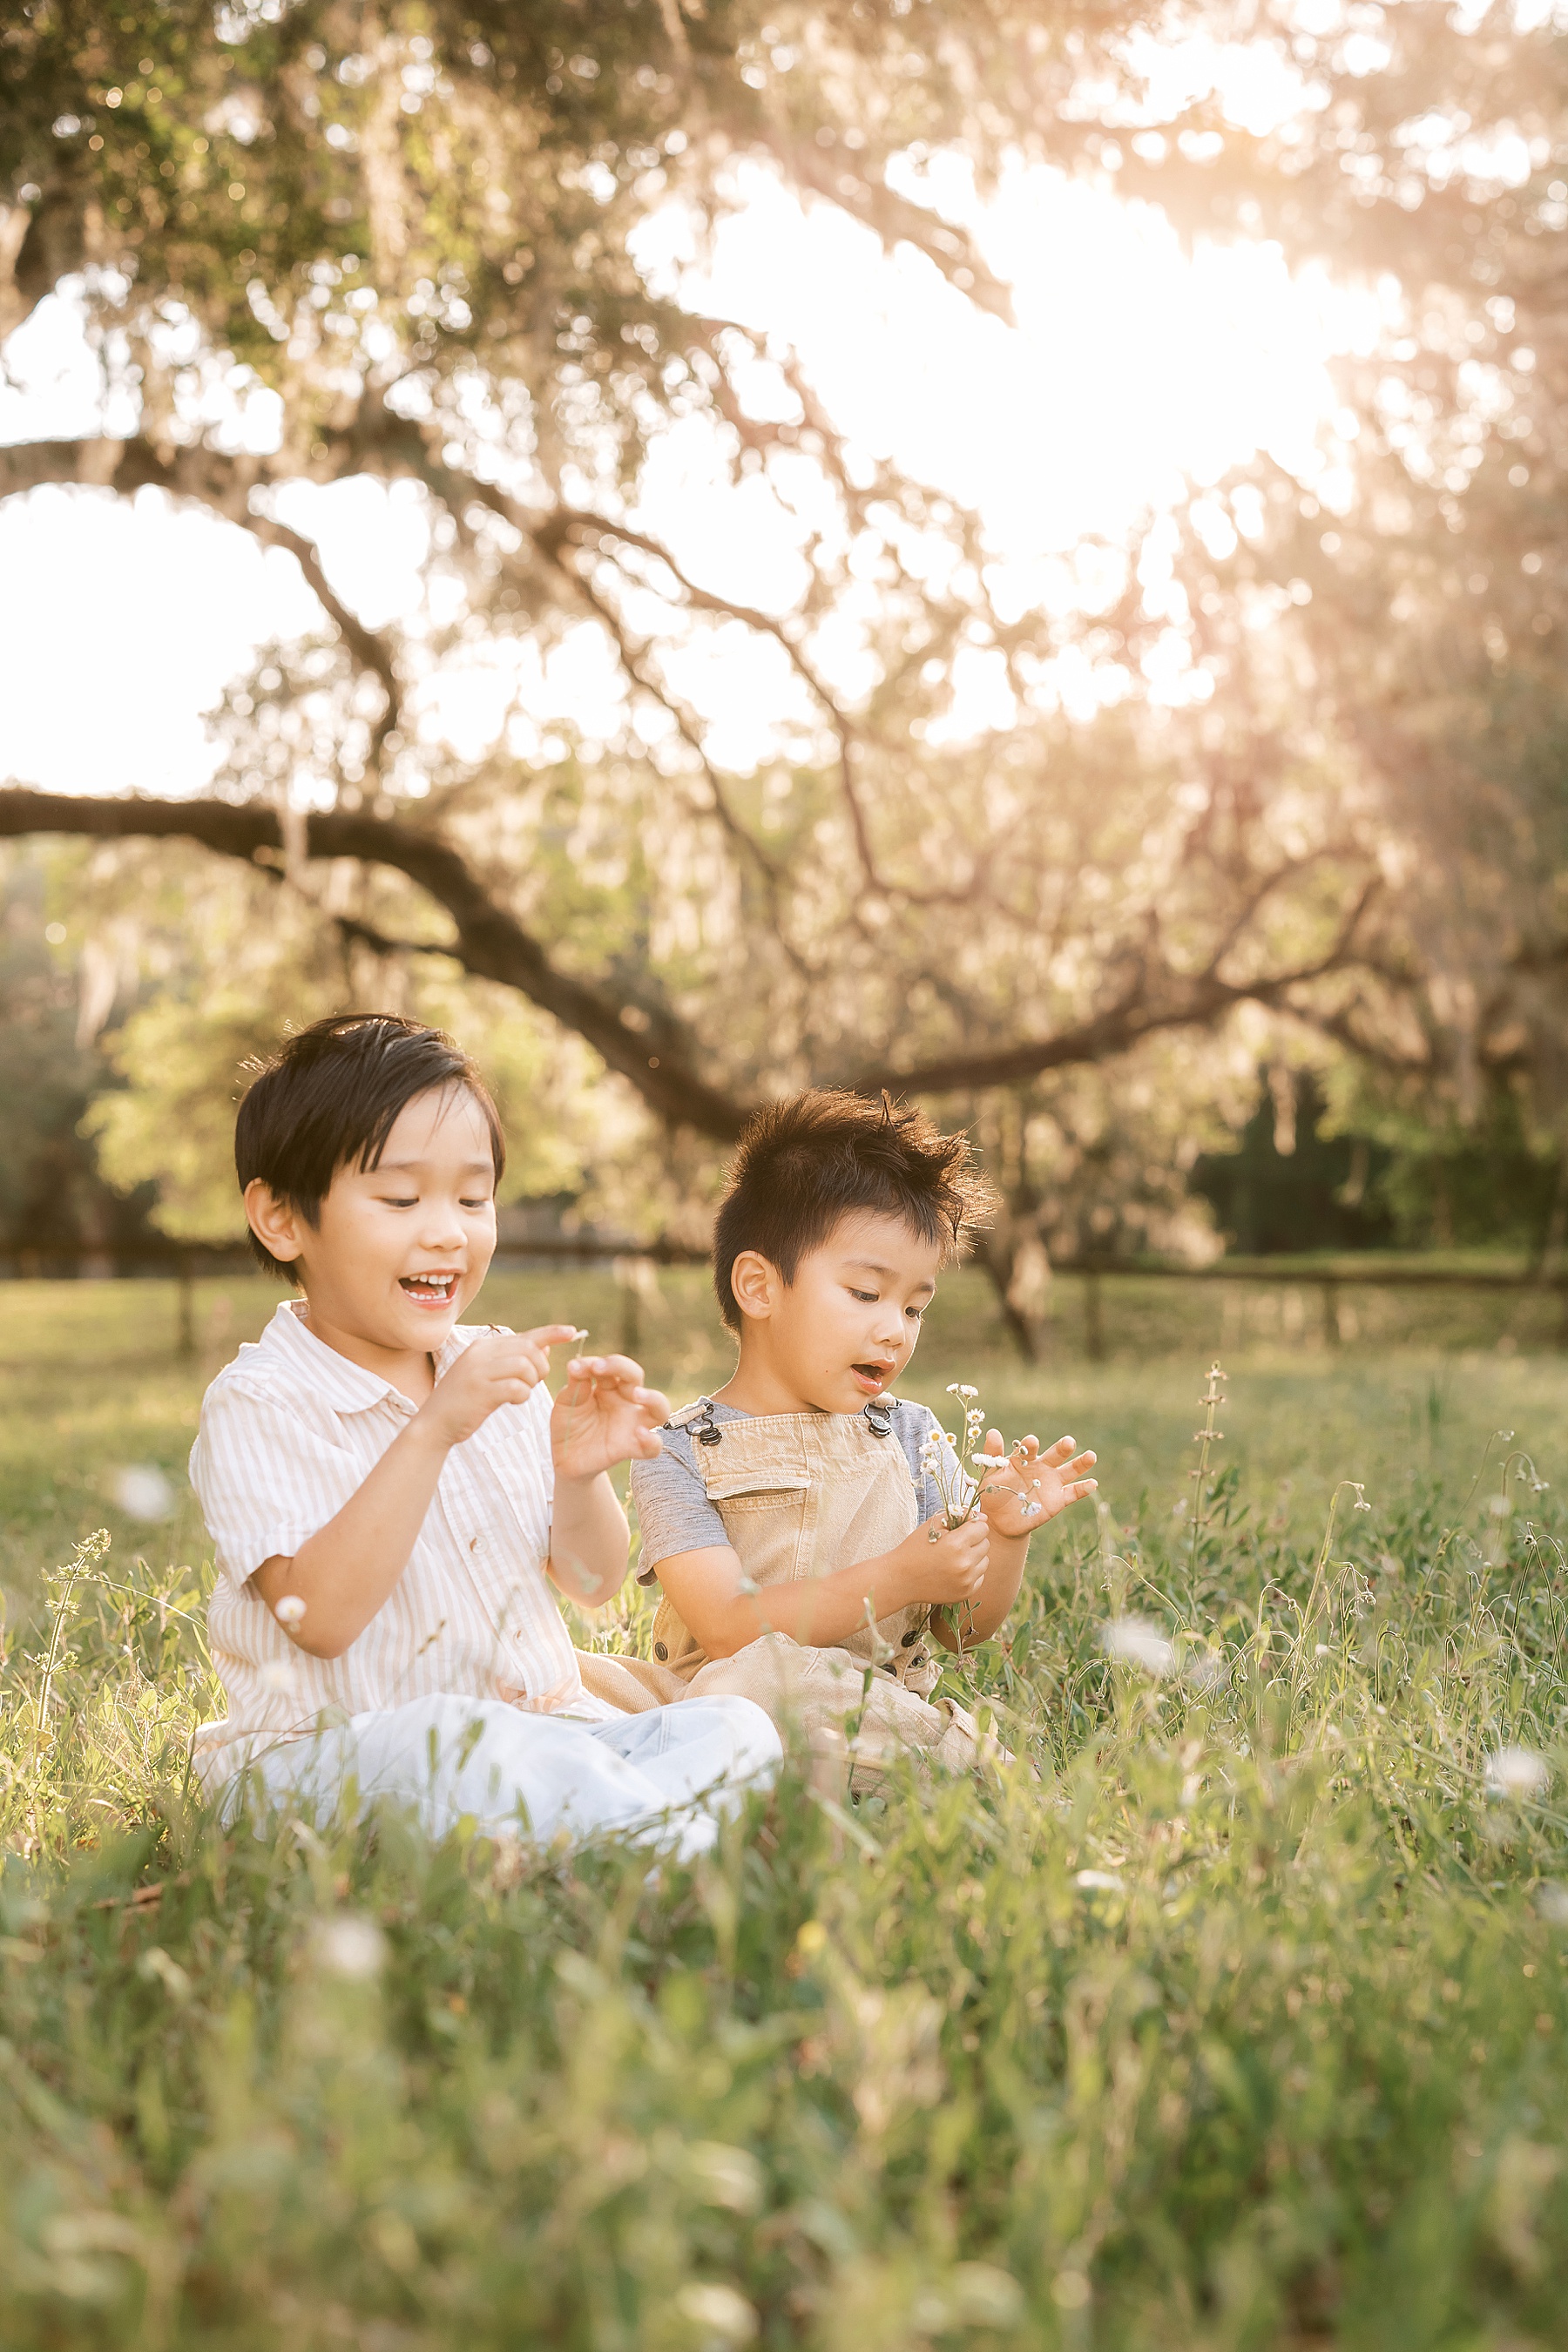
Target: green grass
[[1235, 2014]]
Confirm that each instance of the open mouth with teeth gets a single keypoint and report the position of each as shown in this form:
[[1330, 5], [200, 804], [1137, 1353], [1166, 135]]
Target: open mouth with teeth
[[872, 1377], [429, 1289]]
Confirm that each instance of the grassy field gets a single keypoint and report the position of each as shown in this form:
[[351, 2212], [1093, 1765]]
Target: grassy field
[[1233, 2013]]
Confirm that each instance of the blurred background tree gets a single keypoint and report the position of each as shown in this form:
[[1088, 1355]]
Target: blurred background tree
[[1420, 574], [324, 243]]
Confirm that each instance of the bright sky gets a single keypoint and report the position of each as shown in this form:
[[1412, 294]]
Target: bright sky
[[1131, 369]]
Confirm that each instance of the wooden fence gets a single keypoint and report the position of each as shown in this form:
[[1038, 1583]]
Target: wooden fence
[[187, 1262]]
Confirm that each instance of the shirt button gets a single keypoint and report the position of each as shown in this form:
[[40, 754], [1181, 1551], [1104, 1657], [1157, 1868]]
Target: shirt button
[[660, 1651]]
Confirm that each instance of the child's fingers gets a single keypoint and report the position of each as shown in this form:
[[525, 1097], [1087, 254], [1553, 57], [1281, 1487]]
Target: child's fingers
[[1058, 1454], [993, 1444], [551, 1335], [620, 1369], [654, 1403]]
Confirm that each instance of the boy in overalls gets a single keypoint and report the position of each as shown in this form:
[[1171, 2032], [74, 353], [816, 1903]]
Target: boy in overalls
[[796, 1533]]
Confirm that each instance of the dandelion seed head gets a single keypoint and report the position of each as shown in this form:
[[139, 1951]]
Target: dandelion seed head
[[142, 1491], [291, 1609], [1517, 1772], [1138, 1642], [277, 1674], [351, 1946]]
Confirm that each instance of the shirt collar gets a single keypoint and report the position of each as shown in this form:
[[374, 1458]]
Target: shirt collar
[[346, 1386]]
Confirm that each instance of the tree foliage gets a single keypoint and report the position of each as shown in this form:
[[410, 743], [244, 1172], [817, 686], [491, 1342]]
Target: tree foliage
[[1427, 152], [415, 230]]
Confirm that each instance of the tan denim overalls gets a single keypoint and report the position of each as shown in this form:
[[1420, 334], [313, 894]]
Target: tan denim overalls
[[801, 1494]]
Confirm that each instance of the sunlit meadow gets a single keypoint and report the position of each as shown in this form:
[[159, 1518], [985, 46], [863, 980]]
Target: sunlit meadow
[[1232, 2013]]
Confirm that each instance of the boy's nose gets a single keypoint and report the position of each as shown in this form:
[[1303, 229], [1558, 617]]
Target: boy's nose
[[442, 1230]]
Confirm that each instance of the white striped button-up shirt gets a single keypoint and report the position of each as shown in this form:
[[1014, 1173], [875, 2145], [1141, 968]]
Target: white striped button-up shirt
[[289, 1432]]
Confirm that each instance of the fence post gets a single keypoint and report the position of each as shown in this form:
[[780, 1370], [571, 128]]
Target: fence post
[[1330, 1314], [637, 1284], [1093, 1329], [186, 1294]]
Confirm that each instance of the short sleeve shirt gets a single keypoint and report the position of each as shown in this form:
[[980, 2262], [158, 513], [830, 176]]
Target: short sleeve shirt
[[674, 1514], [289, 1432]]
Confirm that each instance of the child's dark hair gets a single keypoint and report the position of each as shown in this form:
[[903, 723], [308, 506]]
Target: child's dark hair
[[330, 1097], [802, 1164]]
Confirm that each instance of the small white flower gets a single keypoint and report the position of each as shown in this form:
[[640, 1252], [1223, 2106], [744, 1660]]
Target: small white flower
[[277, 1674], [350, 1946], [961, 1389], [1102, 1882], [1517, 1772], [291, 1609], [1138, 1642]]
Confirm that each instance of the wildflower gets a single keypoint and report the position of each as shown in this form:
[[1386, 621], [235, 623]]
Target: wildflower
[[277, 1674], [291, 1611], [942, 1458], [1517, 1772], [351, 1947], [1101, 1882], [1207, 1671], [1138, 1642]]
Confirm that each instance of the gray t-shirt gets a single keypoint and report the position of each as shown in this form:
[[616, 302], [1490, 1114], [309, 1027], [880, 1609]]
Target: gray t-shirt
[[675, 1515]]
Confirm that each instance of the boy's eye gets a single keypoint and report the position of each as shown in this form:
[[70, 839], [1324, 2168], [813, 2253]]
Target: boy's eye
[[479, 1200], [399, 1200], [866, 1297], [914, 1313]]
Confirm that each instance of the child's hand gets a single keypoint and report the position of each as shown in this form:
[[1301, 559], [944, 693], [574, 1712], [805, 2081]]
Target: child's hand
[[1034, 1486], [501, 1368], [604, 1415], [945, 1564]]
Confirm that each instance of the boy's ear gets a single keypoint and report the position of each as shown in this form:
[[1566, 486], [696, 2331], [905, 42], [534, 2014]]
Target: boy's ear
[[756, 1284], [275, 1224]]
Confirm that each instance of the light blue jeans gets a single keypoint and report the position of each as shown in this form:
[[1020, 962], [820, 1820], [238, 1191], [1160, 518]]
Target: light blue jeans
[[667, 1778]]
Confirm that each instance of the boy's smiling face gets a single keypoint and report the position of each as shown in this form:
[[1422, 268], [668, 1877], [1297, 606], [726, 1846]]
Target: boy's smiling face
[[843, 1330], [401, 1248]]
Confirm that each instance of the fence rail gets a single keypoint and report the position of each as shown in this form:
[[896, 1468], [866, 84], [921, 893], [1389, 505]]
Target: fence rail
[[189, 1262]]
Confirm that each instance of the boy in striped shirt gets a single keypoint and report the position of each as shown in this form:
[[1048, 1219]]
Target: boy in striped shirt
[[388, 1489]]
